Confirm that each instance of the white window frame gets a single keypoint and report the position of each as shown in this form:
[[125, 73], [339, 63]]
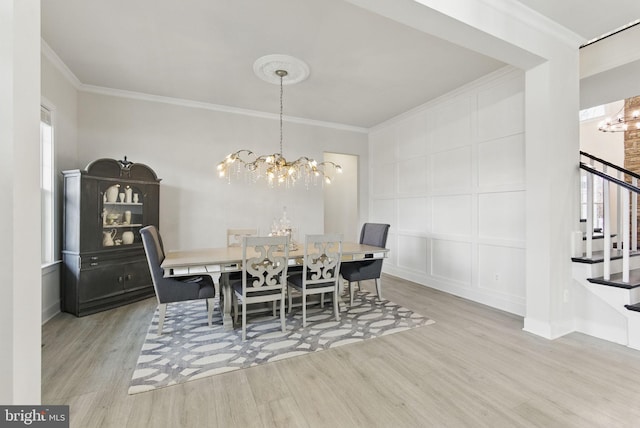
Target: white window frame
[[47, 185]]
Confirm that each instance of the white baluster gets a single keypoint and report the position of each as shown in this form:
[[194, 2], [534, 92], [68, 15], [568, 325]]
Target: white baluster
[[625, 234], [606, 230], [589, 226], [619, 225], [634, 217]]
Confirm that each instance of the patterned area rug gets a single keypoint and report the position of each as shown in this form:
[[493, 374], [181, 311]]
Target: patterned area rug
[[188, 349]]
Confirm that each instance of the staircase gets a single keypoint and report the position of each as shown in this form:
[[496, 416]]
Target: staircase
[[606, 262]]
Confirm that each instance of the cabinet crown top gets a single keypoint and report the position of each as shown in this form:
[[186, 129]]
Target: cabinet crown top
[[112, 168]]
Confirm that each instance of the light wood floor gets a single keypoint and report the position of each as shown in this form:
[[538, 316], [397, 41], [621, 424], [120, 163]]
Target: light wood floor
[[474, 368]]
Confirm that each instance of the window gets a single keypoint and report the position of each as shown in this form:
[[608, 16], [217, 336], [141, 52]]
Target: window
[[592, 113], [47, 186]]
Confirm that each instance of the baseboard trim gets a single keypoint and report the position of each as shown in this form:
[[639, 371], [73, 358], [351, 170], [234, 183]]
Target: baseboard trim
[[50, 312], [547, 330]]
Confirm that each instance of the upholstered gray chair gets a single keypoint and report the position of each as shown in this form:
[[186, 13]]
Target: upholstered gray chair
[[371, 234], [320, 271], [264, 275], [173, 289]]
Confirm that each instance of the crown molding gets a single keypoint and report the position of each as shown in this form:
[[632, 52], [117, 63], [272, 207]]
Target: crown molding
[[537, 21], [52, 56], [516, 11], [216, 107], [82, 87]]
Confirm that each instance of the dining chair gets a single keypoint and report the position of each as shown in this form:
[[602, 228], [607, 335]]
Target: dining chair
[[320, 271], [371, 234], [234, 236], [263, 277], [175, 288], [234, 239]]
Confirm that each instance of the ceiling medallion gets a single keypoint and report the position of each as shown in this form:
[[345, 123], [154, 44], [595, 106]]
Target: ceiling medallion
[[265, 68], [274, 168]]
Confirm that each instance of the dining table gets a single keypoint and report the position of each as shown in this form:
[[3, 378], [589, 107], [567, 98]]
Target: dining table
[[215, 261]]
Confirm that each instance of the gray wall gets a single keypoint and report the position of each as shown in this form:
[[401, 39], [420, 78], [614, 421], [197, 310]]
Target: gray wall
[[184, 145]]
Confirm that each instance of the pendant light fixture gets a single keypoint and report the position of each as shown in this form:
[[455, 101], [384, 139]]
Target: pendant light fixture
[[274, 168]]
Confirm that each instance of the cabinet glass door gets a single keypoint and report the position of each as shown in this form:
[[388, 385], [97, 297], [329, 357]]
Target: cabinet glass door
[[122, 214]]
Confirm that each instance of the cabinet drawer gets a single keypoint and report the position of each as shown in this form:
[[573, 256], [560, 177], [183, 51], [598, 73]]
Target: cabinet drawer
[[136, 275], [100, 260], [100, 282]]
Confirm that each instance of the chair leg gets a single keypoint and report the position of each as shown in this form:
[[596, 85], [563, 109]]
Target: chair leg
[[351, 293], [209, 310], [290, 305], [304, 309], [162, 309], [379, 288], [336, 304], [274, 308], [235, 308], [282, 313], [244, 320], [322, 300]]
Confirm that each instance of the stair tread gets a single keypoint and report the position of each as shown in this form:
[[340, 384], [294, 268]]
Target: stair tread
[[597, 236], [615, 280], [635, 307], [598, 256]]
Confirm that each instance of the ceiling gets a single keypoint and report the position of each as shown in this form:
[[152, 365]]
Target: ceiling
[[364, 68]]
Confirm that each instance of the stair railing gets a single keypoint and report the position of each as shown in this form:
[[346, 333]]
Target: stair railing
[[626, 221]]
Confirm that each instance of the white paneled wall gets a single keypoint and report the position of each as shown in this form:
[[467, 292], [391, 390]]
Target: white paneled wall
[[449, 178]]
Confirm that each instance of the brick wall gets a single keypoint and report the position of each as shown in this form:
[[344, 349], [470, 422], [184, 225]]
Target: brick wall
[[632, 142], [631, 137]]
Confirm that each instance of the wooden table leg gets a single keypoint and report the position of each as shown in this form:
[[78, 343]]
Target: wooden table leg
[[227, 320]]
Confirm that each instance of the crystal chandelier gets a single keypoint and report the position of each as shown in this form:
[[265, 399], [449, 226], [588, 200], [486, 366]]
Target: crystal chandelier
[[620, 123], [275, 168]]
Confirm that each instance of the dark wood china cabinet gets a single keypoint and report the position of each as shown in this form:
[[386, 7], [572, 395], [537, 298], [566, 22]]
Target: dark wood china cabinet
[[105, 206]]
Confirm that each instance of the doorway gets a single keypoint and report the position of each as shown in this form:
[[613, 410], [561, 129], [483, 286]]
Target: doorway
[[341, 198]]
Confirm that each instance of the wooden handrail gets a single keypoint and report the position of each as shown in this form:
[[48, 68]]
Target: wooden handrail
[[609, 178], [609, 164]]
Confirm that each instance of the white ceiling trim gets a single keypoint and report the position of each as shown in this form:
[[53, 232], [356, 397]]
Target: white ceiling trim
[[71, 77], [536, 20], [52, 56], [515, 10], [611, 52], [217, 107]]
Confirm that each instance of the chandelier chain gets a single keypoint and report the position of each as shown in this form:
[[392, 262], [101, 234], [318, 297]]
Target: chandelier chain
[[281, 92]]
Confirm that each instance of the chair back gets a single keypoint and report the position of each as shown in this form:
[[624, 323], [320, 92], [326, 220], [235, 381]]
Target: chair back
[[374, 234], [264, 263], [322, 257], [155, 255], [234, 236]]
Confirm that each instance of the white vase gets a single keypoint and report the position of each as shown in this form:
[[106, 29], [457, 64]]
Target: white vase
[[112, 193], [128, 194], [127, 238]]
